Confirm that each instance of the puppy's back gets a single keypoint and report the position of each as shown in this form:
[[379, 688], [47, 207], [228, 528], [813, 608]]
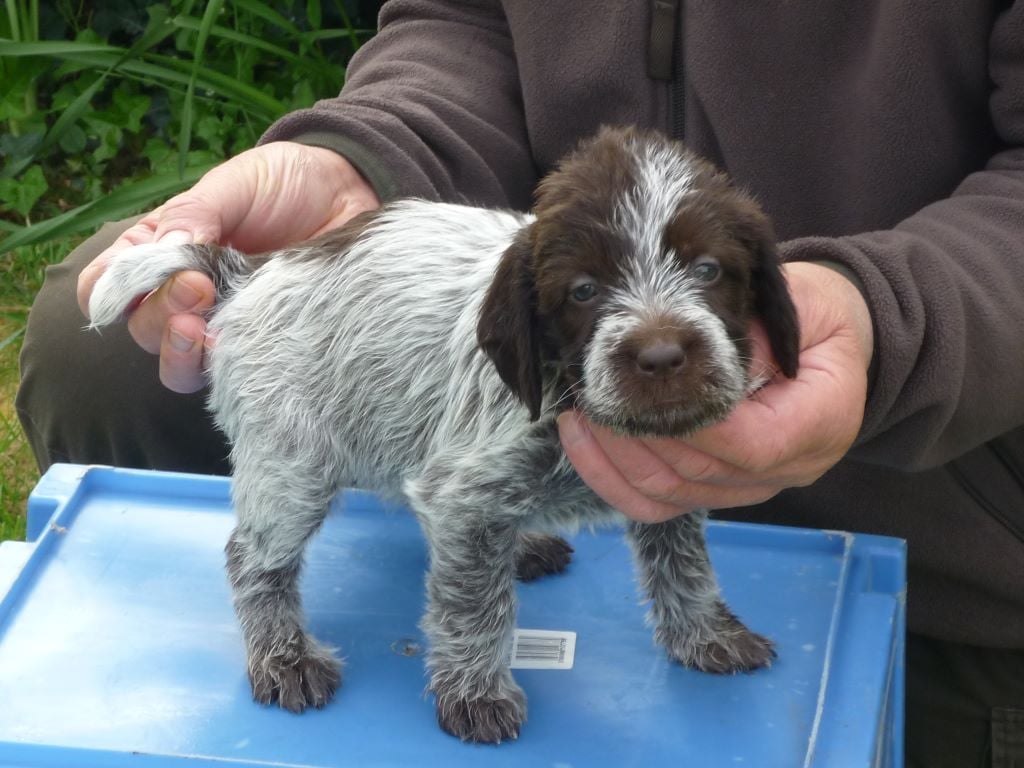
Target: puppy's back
[[369, 350]]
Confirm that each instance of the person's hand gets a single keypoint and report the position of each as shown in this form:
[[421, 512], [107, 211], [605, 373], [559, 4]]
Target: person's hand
[[787, 435], [265, 198]]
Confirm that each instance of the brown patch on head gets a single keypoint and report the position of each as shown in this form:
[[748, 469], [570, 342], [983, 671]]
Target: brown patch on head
[[574, 238], [728, 224], [703, 231], [574, 231], [593, 230]]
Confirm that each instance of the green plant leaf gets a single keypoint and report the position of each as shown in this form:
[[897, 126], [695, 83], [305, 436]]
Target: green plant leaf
[[122, 202], [314, 13], [156, 30], [130, 108], [248, 41], [157, 152], [161, 69], [21, 193], [185, 137], [53, 48], [265, 12], [70, 115], [353, 33], [19, 151], [73, 140]]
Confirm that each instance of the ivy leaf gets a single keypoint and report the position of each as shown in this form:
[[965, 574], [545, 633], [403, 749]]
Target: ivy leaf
[[22, 193], [131, 108], [73, 140]]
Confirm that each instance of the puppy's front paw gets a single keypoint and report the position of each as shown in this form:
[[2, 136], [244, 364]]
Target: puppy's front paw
[[299, 675], [723, 646], [487, 720], [540, 555]]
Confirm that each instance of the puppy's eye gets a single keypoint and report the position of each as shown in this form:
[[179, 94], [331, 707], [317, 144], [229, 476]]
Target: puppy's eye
[[583, 292], [706, 269]]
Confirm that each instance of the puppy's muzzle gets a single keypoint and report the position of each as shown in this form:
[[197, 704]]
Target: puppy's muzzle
[[659, 355], [662, 362], [669, 379]]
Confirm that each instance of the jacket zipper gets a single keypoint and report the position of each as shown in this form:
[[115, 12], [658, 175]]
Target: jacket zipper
[[678, 92], [665, 59]]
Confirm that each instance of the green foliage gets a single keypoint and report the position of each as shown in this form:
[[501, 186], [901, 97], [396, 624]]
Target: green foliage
[[21, 274], [109, 108]]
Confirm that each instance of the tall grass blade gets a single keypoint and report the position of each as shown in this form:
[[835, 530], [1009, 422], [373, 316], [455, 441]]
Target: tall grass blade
[[353, 35], [241, 38], [122, 202], [58, 48], [314, 14], [12, 338], [265, 12], [12, 19], [185, 137], [70, 116], [156, 31], [167, 69]]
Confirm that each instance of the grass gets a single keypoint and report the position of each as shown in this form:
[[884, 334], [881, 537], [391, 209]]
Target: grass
[[105, 114], [21, 275]]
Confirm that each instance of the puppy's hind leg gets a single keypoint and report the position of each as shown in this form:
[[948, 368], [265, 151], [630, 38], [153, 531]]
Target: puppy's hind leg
[[690, 619], [541, 555], [279, 507]]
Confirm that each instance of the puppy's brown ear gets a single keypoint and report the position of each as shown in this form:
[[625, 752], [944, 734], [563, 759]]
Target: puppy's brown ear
[[507, 328], [775, 308], [772, 301]]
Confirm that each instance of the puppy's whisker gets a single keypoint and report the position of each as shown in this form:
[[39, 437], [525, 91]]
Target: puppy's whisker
[[569, 393]]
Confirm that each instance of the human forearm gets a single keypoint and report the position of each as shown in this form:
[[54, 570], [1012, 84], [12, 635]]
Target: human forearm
[[431, 107], [945, 289]]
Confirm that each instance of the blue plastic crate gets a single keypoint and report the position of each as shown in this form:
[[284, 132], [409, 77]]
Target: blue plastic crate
[[118, 645]]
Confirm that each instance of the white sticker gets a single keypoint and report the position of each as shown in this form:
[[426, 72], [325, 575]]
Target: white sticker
[[542, 649]]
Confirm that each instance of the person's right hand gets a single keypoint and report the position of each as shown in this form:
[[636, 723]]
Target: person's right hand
[[263, 199]]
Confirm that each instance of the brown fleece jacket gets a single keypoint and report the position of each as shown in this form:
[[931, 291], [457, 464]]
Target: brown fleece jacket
[[884, 138]]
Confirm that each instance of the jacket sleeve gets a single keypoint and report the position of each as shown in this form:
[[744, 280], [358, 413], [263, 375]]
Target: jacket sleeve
[[946, 291], [431, 107]]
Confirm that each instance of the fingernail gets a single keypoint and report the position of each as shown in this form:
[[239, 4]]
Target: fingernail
[[179, 342], [183, 296], [176, 237]]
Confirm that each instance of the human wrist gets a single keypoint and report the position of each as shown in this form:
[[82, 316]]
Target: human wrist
[[362, 161]]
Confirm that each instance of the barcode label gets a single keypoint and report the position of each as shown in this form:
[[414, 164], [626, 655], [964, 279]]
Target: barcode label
[[542, 649]]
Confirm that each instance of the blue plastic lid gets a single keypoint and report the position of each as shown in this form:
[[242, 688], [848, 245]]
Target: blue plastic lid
[[118, 645]]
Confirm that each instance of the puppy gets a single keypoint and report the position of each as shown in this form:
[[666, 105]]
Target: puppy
[[397, 354]]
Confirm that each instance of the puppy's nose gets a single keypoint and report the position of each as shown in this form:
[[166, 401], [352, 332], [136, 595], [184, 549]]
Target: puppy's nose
[[660, 357]]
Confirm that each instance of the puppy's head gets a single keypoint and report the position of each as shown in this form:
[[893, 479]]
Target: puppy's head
[[636, 284]]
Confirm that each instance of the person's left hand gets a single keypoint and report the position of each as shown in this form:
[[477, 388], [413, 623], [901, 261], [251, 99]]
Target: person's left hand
[[786, 435]]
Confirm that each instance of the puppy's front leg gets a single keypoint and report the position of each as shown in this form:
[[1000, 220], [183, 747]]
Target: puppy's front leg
[[690, 620], [470, 616]]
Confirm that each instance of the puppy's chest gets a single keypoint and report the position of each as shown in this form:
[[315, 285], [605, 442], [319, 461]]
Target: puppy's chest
[[559, 498]]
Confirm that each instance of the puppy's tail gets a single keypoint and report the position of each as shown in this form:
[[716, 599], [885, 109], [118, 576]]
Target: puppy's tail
[[141, 269]]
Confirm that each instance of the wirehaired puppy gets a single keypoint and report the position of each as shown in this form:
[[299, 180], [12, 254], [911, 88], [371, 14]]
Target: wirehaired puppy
[[397, 354]]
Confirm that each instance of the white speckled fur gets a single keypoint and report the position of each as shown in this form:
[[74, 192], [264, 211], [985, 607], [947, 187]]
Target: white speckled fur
[[362, 368]]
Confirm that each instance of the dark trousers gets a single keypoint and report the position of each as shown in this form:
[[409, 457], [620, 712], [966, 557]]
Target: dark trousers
[[97, 399], [94, 399]]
